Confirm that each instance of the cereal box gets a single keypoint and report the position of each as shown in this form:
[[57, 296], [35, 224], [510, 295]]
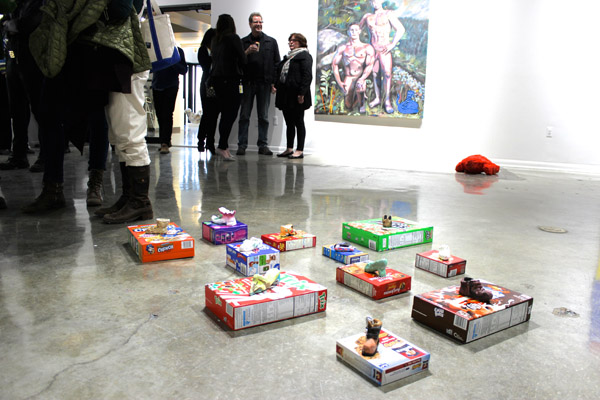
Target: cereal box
[[224, 234], [257, 261], [372, 234], [294, 296], [176, 243], [297, 240], [430, 261], [376, 287], [345, 257], [466, 319], [395, 359]]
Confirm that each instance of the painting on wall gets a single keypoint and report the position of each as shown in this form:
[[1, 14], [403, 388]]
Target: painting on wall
[[372, 58]]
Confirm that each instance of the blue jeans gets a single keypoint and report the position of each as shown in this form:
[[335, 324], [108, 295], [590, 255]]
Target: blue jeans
[[262, 91]]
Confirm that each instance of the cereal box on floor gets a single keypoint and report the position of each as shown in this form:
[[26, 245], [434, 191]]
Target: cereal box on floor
[[373, 234], [175, 243]]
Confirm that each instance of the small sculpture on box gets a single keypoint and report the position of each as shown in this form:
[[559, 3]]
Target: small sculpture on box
[[343, 247], [369, 348], [251, 244], [444, 252], [473, 288], [260, 283], [226, 217], [376, 267], [160, 227], [387, 221], [287, 230]]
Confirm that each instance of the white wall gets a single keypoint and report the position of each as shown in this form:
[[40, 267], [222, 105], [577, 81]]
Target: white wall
[[499, 72]]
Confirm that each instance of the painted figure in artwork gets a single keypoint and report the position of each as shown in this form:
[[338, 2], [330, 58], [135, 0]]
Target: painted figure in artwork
[[357, 59], [380, 23]]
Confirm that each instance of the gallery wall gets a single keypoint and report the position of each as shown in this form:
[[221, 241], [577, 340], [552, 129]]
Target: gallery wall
[[502, 76]]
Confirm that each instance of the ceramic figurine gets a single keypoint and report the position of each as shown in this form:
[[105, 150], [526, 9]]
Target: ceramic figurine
[[444, 252], [287, 230], [473, 288], [373, 330], [376, 267], [343, 246], [260, 283], [387, 221], [251, 244], [227, 217], [160, 227]]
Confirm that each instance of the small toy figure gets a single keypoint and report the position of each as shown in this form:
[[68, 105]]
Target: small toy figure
[[387, 221], [472, 288], [227, 217], [160, 227], [193, 117], [343, 246], [477, 164], [376, 267], [251, 244], [444, 252], [287, 230], [260, 283], [373, 330]]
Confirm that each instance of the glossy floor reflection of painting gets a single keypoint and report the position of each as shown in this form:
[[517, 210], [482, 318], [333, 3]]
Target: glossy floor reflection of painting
[[82, 318]]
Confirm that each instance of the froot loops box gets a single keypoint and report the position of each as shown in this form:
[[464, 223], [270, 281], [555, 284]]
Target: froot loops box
[[293, 296], [376, 287], [176, 243]]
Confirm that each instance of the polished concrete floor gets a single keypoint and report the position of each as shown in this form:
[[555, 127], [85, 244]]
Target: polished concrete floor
[[82, 318]]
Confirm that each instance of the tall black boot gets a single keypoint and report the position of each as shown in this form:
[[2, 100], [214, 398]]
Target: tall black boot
[[52, 197], [126, 186], [138, 205]]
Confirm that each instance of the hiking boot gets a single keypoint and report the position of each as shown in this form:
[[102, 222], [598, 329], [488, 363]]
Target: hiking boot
[[14, 163], [94, 192], [265, 151], [52, 198], [120, 203], [473, 288], [138, 204]]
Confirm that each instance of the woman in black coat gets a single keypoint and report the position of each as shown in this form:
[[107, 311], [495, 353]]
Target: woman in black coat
[[293, 93]]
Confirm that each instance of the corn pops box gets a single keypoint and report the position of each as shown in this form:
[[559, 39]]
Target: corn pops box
[[372, 234], [256, 261], [430, 261], [294, 241], [293, 296], [345, 257], [376, 287], [176, 243], [466, 319], [395, 359], [224, 234]]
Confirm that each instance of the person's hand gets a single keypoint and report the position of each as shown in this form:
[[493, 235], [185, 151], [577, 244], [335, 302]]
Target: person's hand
[[252, 49], [273, 89], [300, 99]]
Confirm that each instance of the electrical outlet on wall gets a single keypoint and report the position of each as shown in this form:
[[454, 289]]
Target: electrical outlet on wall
[[549, 132]]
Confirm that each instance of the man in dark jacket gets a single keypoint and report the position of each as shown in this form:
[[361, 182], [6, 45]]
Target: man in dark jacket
[[259, 81]]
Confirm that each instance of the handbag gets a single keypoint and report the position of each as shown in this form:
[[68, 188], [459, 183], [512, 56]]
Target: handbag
[[159, 37]]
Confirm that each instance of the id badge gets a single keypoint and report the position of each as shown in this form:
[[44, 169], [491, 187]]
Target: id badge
[[241, 89]]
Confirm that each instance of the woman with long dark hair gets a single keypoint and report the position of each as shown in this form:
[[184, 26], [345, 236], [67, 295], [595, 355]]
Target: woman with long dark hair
[[228, 57], [208, 122]]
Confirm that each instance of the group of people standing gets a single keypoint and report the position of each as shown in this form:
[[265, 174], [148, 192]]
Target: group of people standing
[[236, 71]]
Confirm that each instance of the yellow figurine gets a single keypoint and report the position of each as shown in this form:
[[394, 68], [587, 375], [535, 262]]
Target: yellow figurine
[[260, 283]]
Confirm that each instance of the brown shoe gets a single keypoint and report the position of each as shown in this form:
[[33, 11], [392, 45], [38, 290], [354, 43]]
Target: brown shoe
[[164, 148], [473, 288]]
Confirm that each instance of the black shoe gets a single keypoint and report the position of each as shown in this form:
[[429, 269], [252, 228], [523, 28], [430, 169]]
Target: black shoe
[[265, 151], [240, 151], [285, 153], [51, 198], [14, 163], [293, 157], [38, 166]]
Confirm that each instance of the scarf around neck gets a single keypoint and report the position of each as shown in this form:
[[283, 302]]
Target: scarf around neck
[[286, 66]]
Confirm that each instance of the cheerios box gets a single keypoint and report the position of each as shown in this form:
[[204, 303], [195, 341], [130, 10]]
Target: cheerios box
[[430, 261], [176, 243], [372, 234], [293, 296], [395, 359], [345, 257], [376, 287], [224, 234], [466, 319], [256, 261], [297, 240]]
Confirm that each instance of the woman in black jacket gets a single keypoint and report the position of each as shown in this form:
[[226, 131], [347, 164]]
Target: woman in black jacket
[[228, 57], [293, 93], [208, 126]]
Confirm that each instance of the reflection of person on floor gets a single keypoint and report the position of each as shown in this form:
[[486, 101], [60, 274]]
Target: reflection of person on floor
[[357, 58], [380, 24]]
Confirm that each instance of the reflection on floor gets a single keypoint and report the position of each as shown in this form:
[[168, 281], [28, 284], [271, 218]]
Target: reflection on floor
[[81, 318]]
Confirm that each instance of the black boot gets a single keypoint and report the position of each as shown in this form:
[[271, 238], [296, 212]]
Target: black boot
[[126, 186], [52, 197], [138, 205], [94, 192]]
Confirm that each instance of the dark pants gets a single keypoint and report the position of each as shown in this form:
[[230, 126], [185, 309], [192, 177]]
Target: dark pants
[[227, 105], [262, 92], [294, 121], [5, 122], [164, 104], [98, 138]]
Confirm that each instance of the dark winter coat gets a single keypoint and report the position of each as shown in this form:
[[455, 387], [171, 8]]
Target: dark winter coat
[[297, 83]]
